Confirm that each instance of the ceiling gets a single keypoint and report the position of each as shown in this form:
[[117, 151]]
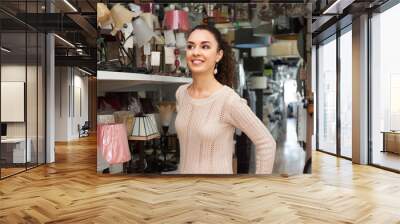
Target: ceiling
[[73, 20]]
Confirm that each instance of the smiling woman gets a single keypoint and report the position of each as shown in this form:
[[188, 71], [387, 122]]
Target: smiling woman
[[209, 111]]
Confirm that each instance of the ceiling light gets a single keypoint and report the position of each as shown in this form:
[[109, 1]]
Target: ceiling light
[[337, 7], [84, 71], [70, 5], [64, 40], [5, 50]]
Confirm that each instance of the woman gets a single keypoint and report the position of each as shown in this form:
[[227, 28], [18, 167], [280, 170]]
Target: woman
[[209, 110]]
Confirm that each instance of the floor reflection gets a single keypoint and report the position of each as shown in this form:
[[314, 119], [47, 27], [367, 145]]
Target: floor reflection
[[290, 156]]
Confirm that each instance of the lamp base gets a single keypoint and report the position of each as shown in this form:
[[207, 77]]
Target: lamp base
[[165, 130]]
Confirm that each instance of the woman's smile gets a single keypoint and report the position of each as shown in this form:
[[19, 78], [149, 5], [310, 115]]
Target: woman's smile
[[197, 61]]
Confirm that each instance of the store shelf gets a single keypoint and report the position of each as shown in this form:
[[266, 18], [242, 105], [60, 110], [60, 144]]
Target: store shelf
[[140, 78]]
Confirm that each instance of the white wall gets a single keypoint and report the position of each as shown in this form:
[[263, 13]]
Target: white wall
[[33, 127], [69, 85]]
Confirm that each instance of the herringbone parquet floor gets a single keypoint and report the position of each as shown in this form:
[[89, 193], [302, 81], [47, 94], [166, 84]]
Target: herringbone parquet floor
[[70, 191]]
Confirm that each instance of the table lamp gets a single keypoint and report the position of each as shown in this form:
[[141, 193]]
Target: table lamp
[[166, 112], [142, 31], [144, 128], [177, 20]]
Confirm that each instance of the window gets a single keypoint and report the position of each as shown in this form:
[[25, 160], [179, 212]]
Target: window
[[346, 93], [327, 97], [385, 87]]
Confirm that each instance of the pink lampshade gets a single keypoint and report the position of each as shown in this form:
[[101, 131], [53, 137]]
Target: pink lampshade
[[147, 7], [176, 20]]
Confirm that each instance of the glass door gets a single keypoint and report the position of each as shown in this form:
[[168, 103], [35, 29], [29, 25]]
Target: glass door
[[326, 121], [385, 89]]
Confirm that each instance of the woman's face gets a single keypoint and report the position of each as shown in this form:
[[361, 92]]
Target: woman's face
[[202, 52]]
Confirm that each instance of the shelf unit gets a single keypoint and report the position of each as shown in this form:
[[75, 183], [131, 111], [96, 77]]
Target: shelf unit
[[141, 78], [111, 81]]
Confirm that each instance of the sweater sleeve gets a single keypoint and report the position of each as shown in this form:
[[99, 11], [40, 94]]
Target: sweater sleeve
[[241, 116]]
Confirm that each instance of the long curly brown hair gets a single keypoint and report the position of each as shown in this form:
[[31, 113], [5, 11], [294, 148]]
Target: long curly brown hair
[[226, 66]]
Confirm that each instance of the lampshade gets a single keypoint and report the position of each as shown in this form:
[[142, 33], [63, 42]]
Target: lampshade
[[263, 29], [244, 39], [166, 111], [180, 40], [257, 82], [224, 28], [283, 48], [147, 7], [176, 20], [103, 15], [144, 128], [142, 31], [169, 38], [135, 8], [125, 117], [259, 52], [153, 121], [286, 28], [120, 16], [148, 18], [159, 38]]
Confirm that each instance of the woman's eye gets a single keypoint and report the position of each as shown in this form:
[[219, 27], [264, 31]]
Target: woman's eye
[[206, 47], [189, 47]]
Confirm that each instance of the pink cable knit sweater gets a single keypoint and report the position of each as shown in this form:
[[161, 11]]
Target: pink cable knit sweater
[[205, 129]]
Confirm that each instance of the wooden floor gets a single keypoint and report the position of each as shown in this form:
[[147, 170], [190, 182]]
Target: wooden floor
[[70, 191], [387, 159]]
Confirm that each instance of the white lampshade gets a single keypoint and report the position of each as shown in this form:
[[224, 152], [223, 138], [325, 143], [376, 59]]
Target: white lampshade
[[148, 18], [180, 40], [259, 52], [154, 122], [257, 82], [144, 127], [135, 8], [169, 38], [283, 48], [142, 32], [166, 111]]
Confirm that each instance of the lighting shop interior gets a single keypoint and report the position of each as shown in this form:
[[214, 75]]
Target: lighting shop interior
[[141, 63]]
